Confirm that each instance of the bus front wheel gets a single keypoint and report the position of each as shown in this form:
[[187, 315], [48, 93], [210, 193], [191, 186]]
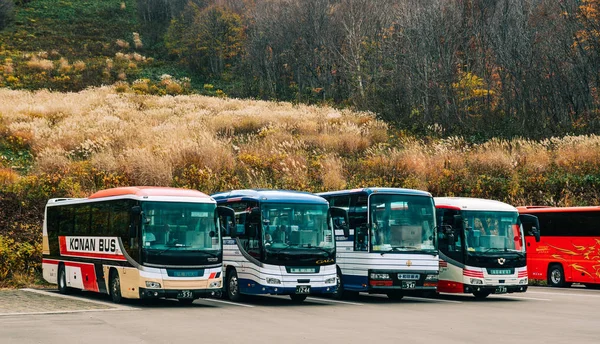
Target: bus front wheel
[[339, 291], [62, 280], [298, 297], [480, 295], [556, 276], [233, 286], [115, 287]]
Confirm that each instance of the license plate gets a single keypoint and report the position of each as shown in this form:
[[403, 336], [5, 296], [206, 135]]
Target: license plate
[[408, 276], [185, 294], [409, 285], [501, 290], [303, 289]]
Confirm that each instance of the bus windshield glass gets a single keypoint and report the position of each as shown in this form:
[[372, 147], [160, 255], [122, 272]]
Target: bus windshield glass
[[176, 226], [296, 225], [402, 223], [493, 231]]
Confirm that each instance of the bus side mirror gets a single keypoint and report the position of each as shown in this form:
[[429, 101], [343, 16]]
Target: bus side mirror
[[458, 222], [536, 233], [136, 211], [340, 216], [532, 222]]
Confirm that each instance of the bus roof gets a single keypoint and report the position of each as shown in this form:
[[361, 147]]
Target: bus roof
[[145, 193], [269, 195], [374, 190], [548, 209], [469, 203]]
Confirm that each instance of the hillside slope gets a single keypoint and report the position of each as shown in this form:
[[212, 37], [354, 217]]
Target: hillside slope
[[71, 144]]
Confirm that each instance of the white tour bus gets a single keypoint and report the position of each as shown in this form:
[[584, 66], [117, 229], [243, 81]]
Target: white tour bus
[[482, 246], [386, 243], [134, 242]]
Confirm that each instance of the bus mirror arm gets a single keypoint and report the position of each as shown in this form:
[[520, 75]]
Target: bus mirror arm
[[536, 233]]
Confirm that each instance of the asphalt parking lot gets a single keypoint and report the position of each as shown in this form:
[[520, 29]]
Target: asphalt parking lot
[[544, 315]]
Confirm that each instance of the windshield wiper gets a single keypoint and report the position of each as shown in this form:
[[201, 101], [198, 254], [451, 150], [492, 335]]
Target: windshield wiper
[[171, 247], [495, 249], [404, 248]]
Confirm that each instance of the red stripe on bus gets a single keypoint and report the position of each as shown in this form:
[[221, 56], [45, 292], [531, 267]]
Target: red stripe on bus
[[95, 255], [212, 275], [88, 272], [444, 206]]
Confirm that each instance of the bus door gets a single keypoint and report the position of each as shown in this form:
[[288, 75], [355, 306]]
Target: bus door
[[358, 220], [341, 229]]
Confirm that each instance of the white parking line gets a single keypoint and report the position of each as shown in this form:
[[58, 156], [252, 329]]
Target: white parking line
[[69, 311], [416, 298], [561, 294], [70, 297], [228, 302], [430, 300], [522, 298], [334, 301]]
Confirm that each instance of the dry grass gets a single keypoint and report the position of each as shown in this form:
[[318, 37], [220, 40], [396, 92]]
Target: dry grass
[[190, 139]]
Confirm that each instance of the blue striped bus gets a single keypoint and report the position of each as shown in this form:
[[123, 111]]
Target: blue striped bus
[[276, 242]]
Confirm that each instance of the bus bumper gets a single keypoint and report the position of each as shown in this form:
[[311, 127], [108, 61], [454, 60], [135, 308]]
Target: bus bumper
[[495, 289], [146, 293]]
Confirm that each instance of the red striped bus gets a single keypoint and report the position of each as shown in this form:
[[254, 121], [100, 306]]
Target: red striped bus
[[482, 246], [569, 249], [134, 242]]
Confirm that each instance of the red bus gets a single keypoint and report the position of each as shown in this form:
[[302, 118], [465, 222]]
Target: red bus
[[569, 247]]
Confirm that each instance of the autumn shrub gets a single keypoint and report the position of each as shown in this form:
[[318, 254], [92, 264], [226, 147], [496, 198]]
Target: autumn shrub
[[19, 261]]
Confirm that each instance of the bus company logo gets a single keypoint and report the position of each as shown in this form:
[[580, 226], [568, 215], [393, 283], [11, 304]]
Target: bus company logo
[[409, 263], [92, 245], [324, 261], [542, 249], [501, 261]]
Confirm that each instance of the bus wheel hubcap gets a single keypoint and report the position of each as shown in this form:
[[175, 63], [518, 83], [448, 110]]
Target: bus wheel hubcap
[[556, 276], [233, 284]]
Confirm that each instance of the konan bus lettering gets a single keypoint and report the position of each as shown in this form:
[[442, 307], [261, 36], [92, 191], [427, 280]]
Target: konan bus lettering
[[105, 246]]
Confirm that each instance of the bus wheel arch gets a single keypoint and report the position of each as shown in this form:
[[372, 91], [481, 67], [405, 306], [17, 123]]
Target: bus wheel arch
[[556, 275], [61, 280], [232, 285], [115, 286]]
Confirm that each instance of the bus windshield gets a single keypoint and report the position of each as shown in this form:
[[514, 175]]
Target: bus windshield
[[296, 225], [493, 231], [178, 226], [402, 223]]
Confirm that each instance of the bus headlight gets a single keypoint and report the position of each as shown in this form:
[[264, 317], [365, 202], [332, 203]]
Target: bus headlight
[[330, 280], [431, 278], [152, 285], [375, 276], [216, 284], [523, 281], [476, 281], [271, 280]]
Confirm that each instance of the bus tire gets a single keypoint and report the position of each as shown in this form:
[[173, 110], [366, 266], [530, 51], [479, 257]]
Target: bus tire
[[298, 297], [395, 295], [186, 302], [480, 295], [556, 276], [115, 287], [339, 291], [233, 286], [62, 280]]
